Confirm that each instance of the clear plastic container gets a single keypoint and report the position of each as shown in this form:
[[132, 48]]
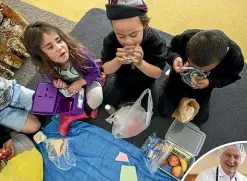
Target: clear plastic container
[[128, 55], [187, 140]]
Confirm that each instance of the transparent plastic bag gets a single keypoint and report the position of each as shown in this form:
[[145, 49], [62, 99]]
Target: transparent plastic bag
[[59, 153], [192, 74], [130, 121]]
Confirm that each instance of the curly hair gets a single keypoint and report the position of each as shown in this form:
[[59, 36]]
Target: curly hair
[[144, 20]]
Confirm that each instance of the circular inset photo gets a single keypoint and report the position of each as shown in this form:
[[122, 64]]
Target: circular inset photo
[[225, 163]]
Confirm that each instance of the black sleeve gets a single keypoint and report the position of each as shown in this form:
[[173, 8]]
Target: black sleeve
[[109, 49], [159, 51], [156, 46], [178, 45], [229, 74], [4, 136]]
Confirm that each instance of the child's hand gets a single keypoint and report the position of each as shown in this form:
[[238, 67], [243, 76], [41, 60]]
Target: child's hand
[[76, 86], [8, 146], [201, 84], [138, 55], [178, 65], [59, 84], [120, 56], [3, 153]]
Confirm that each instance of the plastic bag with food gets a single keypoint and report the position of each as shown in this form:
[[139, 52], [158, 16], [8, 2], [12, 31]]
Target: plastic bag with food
[[186, 110], [58, 151], [130, 121]]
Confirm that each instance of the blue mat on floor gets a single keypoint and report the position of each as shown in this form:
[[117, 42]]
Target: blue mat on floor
[[95, 150]]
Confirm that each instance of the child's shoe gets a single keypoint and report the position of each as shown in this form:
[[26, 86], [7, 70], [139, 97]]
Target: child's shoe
[[94, 113], [65, 122]]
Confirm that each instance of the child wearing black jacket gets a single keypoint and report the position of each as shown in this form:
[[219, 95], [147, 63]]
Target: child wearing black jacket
[[213, 55]]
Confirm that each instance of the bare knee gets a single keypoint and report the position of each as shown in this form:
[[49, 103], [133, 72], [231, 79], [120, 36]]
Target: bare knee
[[32, 124], [95, 97]]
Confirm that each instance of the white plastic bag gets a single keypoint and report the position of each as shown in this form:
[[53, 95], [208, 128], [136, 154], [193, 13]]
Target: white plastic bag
[[130, 121]]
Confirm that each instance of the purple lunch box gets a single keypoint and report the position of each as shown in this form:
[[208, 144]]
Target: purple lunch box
[[48, 100]]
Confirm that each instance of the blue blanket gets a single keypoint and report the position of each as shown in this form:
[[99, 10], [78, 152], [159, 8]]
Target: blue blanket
[[95, 150]]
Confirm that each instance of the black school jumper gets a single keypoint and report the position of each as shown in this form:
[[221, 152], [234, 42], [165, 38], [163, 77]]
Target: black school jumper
[[128, 82], [225, 73]]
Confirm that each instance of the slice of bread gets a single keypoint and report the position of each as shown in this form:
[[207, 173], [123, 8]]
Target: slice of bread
[[58, 145]]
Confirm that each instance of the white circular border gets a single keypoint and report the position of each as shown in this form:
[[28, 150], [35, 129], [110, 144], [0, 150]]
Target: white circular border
[[194, 164]]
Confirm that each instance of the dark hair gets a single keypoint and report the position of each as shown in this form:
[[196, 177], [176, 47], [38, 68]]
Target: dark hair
[[207, 47], [33, 39], [144, 20]]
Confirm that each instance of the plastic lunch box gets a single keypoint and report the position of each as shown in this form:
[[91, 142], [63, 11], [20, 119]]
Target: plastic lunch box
[[48, 100], [186, 138]]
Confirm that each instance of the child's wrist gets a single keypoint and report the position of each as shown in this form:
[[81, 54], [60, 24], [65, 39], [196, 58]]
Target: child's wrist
[[139, 64], [82, 82], [119, 63]]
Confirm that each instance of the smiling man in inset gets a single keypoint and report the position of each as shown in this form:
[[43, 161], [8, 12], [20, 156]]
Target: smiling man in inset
[[231, 157]]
